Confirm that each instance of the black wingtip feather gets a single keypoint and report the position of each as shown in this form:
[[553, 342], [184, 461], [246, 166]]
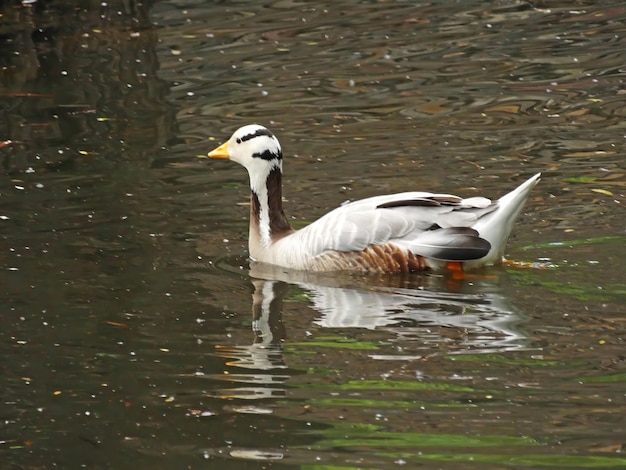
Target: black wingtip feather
[[451, 244]]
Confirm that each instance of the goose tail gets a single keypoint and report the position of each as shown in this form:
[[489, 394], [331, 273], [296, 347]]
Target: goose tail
[[496, 226]]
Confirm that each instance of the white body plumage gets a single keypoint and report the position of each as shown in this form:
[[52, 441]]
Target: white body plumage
[[396, 232]]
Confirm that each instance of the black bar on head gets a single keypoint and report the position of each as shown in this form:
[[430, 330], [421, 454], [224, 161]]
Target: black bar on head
[[256, 134], [268, 155]]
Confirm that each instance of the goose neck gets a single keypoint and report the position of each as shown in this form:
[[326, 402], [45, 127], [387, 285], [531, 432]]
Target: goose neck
[[267, 217]]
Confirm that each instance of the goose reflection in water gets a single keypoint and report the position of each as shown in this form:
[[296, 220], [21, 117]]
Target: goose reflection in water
[[486, 316], [477, 317]]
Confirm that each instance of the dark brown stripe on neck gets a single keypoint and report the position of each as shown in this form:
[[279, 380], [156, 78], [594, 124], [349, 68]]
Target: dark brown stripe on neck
[[255, 209], [279, 225]]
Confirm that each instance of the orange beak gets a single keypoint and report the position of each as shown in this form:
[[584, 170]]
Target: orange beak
[[220, 152]]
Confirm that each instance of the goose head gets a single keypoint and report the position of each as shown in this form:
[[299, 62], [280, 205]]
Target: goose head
[[258, 151], [255, 148]]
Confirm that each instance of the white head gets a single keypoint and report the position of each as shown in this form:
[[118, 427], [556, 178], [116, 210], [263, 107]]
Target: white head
[[254, 147]]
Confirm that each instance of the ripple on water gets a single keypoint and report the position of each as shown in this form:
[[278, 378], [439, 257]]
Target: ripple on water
[[130, 318]]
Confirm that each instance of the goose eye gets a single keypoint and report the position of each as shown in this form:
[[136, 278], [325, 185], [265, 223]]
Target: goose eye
[[238, 140]]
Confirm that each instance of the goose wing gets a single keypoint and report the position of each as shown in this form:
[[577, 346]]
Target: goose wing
[[432, 225]]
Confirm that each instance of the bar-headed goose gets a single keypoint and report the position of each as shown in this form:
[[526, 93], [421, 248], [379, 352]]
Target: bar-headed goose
[[401, 232]]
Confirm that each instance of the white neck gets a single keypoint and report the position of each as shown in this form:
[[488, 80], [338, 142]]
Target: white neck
[[267, 219], [258, 186]]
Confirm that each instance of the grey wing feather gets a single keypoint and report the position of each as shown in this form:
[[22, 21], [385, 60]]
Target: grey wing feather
[[453, 244], [406, 219]]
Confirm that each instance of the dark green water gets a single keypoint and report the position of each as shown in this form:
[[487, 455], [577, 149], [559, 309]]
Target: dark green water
[[134, 334]]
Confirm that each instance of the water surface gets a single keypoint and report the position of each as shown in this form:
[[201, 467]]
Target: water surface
[[137, 334]]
